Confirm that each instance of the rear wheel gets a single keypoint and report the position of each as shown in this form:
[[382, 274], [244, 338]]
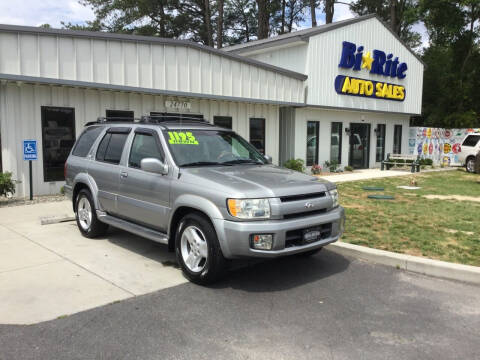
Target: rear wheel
[[86, 216], [198, 250], [470, 165]]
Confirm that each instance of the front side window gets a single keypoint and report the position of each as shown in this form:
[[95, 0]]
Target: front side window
[[471, 140], [111, 147], [86, 140], [380, 152], [312, 142], [257, 133], [58, 137], [144, 146], [336, 143], [223, 121], [210, 147], [397, 139]]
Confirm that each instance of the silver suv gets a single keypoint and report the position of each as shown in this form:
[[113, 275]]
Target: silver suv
[[202, 190]]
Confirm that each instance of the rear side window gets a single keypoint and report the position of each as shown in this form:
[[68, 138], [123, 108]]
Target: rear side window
[[86, 140], [111, 147], [471, 140]]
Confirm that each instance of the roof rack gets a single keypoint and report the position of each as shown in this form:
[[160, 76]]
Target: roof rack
[[150, 119]]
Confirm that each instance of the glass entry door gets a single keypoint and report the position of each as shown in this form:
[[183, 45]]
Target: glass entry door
[[359, 146]]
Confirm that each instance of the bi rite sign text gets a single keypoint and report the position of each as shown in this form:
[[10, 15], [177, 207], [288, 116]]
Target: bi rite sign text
[[377, 63]]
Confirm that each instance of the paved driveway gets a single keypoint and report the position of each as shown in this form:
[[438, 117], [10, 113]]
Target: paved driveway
[[324, 307]]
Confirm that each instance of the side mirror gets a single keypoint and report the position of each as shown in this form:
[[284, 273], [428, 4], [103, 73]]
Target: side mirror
[[154, 165], [268, 158]]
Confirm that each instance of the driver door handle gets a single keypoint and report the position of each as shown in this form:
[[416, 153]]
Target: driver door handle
[[123, 174]]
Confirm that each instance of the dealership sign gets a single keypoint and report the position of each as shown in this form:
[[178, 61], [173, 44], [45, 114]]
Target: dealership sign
[[377, 63]]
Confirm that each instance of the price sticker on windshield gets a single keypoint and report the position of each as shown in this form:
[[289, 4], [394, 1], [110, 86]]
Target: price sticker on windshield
[[182, 138]]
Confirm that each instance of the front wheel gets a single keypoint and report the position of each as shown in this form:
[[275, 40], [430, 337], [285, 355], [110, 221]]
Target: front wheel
[[470, 165], [198, 250], [87, 220]]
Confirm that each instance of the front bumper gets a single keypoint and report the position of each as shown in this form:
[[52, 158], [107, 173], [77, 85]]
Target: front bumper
[[234, 236]]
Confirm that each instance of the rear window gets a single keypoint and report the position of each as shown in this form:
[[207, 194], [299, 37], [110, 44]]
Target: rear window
[[111, 147], [86, 140], [471, 140]]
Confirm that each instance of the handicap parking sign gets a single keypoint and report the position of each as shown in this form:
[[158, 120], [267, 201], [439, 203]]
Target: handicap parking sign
[[30, 150]]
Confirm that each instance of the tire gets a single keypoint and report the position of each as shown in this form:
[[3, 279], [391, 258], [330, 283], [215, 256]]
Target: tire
[[309, 252], [470, 165], [198, 251], [86, 216]]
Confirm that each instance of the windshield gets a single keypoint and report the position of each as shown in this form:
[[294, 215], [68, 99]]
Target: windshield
[[210, 147]]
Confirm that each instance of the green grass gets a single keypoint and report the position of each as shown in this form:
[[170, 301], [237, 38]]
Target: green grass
[[447, 230]]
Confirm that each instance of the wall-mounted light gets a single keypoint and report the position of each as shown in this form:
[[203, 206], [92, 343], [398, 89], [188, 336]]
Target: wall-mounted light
[[347, 131], [376, 131]]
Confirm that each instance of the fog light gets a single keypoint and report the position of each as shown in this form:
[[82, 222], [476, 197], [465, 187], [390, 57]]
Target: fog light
[[262, 241]]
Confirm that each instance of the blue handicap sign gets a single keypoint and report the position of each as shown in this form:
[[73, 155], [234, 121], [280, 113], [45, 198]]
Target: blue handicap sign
[[30, 150]]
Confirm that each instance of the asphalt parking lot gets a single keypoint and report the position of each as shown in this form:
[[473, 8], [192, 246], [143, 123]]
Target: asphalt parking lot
[[324, 307]]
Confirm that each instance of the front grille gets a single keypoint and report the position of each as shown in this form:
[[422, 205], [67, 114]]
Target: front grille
[[302, 196], [304, 213], [295, 237]]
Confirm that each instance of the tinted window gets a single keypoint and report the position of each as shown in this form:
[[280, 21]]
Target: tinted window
[[123, 115], [144, 146], [223, 121], [380, 152], [397, 139], [257, 133], [111, 147], [312, 142], [471, 140], [86, 140], [336, 142], [58, 137]]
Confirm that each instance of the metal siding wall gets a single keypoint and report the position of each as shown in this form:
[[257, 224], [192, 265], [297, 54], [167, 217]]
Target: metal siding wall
[[324, 55], [291, 58], [137, 64], [20, 118]]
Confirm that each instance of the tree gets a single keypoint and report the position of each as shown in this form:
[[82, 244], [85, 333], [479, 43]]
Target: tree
[[313, 7], [401, 15], [220, 24], [329, 6], [240, 21], [263, 19]]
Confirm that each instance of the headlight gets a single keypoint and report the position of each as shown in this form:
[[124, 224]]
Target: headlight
[[249, 208], [334, 195]]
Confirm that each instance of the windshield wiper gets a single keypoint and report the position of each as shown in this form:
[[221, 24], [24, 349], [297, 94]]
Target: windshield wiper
[[243, 161], [204, 163]]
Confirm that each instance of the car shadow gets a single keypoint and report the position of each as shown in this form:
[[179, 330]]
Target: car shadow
[[254, 275]]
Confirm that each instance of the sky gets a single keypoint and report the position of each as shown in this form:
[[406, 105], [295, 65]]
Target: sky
[[53, 12]]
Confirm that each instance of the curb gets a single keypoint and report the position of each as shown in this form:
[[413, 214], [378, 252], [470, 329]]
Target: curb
[[441, 269], [47, 220]]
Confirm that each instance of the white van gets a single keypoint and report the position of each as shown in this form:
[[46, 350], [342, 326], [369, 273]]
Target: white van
[[469, 150]]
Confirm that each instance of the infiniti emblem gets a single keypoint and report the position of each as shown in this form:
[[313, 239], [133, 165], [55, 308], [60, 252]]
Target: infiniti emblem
[[309, 205]]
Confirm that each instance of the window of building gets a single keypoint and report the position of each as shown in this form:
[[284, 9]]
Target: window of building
[[86, 140], [336, 142], [380, 151], [123, 115], [111, 147], [58, 137], [223, 121], [397, 139], [257, 133], [313, 128], [163, 116], [471, 140], [144, 146]]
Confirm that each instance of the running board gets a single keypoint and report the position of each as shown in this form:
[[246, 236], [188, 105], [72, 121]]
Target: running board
[[133, 228]]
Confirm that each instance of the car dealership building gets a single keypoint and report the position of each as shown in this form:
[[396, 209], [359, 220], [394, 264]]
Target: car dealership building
[[341, 92]]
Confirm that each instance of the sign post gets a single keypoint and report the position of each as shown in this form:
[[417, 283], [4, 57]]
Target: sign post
[[30, 153]]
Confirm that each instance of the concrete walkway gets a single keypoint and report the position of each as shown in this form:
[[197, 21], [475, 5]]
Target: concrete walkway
[[47, 271], [367, 174]]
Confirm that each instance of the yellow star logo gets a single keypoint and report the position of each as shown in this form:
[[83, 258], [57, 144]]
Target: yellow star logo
[[367, 61]]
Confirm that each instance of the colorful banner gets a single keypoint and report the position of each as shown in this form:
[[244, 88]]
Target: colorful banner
[[440, 145]]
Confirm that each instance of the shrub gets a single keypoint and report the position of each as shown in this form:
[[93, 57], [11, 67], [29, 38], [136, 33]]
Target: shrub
[[477, 163], [62, 190], [295, 164], [429, 162], [399, 162], [316, 169], [7, 185], [348, 168], [331, 165]]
